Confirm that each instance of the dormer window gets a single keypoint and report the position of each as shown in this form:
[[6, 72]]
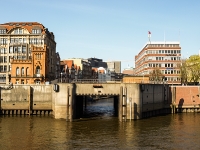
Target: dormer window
[[18, 31], [36, 31]]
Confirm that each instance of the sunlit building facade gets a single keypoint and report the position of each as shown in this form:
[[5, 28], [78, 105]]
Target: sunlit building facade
[[17, 40], [162, 55]]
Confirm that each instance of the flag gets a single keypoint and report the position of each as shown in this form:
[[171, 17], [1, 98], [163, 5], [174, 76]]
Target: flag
[[149, 34]]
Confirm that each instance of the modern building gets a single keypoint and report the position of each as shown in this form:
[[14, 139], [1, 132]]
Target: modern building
[[114, 66], [160, 55], [17, 40], [96, 63]]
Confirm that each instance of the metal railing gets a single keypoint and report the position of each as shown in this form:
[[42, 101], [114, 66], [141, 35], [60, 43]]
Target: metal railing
[[95, 81]]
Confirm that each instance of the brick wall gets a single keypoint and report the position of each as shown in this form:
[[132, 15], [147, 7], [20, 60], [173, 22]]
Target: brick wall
[[186, 96]]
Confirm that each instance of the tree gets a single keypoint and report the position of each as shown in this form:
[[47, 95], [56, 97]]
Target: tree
[[193, 65], [190, 69], [156, 75], [183, 71]]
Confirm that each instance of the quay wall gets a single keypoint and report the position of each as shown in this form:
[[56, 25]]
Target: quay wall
[[27, 97], [134, 101], [185, 98]]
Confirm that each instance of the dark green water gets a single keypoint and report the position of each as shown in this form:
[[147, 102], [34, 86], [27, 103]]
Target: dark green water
[[103, 131]]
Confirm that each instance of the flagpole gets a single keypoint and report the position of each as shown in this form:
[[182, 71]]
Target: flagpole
[[164, 38], [149, 35]]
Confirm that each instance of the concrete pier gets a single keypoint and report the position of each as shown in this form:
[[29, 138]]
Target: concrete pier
[[131, 101]]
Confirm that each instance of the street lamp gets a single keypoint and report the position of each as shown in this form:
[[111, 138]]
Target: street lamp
[[61, 77]]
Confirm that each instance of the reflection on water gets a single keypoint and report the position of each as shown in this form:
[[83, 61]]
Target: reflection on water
[[179, 131]]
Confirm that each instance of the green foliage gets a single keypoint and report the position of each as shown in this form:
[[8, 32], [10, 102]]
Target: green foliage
[[190, 70]]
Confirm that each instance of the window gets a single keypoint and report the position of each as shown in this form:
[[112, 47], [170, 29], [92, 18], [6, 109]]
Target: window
[[12, 40], [18, 31], [24, 40], [23, 49], [1, 59], [22, 81], [2, 31], [24, 57], [5, 68], [20, 40], [1, 68], [2, 50], [19, 57], [5, 59], [17, 71], [37, 70], [19, 49], [3, 41], [15, 49], [27, 71], [11, 49], [22, 70], [17, 81], [36, 31]]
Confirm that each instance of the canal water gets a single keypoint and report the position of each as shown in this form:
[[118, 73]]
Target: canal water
[[100, 129]]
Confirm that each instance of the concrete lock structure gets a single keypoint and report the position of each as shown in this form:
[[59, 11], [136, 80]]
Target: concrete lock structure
[[131, 101]]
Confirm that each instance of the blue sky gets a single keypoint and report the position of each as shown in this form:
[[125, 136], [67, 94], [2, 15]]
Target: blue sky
[[110, 29]]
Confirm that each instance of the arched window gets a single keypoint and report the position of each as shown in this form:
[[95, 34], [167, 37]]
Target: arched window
[[27, 71], [17, 71], [38, 70], [22, 70]]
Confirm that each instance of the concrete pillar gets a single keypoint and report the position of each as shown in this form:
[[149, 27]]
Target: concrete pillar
[[124, 103], [68, 105], [71, 103], [120, 107], [29, 100]]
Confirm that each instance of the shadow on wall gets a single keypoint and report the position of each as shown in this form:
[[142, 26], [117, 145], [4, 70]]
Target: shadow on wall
[[180, 104], [136, 114]]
